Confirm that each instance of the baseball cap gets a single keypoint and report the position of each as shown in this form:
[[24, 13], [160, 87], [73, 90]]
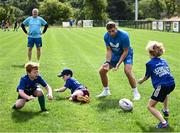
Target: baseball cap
[[65, 72]]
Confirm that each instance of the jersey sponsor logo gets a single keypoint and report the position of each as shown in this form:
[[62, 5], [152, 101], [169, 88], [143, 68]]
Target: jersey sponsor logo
[[160, 64], [161, 71], [114, 45], [76, 82]]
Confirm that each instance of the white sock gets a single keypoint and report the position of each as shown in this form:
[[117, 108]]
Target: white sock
[[106, 88], [164, 122], [165, 109], [135, 90]]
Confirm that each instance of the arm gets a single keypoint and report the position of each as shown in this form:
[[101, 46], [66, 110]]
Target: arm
[[123, 56], [108, 54], [62, 89], [24, 95], [108, 58], [45, 28], [140, 81], [49, 90], [24, 28]]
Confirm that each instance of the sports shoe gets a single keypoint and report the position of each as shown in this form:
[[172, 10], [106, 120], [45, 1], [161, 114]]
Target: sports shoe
[[137, 96], [165, 113], [44, 111], [84, 99], [104, 93], [161, 125]]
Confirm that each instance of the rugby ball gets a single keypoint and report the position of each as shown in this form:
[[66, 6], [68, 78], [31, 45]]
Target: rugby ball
[[125, 104]]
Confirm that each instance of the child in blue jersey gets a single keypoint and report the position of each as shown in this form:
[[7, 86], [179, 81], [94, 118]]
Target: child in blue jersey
[[78, 91], [28, 88], [162, 80]]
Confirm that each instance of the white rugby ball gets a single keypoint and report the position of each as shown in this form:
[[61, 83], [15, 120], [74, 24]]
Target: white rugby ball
[[125, 104]]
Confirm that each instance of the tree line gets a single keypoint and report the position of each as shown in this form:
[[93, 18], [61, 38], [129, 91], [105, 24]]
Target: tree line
[[56, 11]]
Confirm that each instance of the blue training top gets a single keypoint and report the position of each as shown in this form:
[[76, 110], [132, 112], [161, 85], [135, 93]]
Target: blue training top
[[159, 72], [27, 84], [34, 26], [73, 84], [118, 43]]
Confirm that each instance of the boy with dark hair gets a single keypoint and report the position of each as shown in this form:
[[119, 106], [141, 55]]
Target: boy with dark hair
[[78, 91]]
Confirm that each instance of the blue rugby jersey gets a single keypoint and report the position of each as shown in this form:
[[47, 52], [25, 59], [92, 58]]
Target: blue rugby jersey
[[27, 84], [159, 72], [73, 84], [118, 44]]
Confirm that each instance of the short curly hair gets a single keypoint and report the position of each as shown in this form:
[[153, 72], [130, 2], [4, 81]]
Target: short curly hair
[[30, 66], [110, 25], [155, 48]]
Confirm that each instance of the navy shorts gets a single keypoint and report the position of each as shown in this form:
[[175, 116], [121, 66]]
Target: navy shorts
[[32, 41], [127, 60], [27, 92], [85, 92], [161, 92]]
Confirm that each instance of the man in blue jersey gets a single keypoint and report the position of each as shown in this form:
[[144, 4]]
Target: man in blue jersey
[[118, 50], [162, 80], [34, 35], [29, 88]]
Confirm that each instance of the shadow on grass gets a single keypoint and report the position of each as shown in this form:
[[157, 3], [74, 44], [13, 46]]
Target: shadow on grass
[[60, 98], [106, 104], [23, 116], [18, 66], [153, 128]]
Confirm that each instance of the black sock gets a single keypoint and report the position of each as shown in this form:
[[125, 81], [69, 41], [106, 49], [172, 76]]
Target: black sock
[[41, 100], [14, 106]]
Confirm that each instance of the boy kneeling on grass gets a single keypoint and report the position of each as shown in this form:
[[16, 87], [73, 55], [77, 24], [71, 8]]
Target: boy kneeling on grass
[[28, 88], [162, 80], [78, 91]]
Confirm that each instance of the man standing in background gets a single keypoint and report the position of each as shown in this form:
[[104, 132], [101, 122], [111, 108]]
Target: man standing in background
[[34, 35]]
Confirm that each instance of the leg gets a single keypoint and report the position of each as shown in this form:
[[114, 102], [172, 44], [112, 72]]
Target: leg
[[165, 110], [165, 103], [104, 79], [103, 75], [29, 53], [78, 95], [19, 103], [132, 80], [130, 75], [39, 93], [38, 53], [151, 107]]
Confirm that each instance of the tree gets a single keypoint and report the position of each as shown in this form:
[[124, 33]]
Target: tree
[[170, 7], [120, 9], [157, 8], [95, 9], [178, 7], [55, 12], [2, 13], [150, 9]]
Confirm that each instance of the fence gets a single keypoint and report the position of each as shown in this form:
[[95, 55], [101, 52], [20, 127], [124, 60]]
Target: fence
[[168, 26]]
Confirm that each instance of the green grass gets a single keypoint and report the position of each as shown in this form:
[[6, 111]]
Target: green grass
[[83, 50]]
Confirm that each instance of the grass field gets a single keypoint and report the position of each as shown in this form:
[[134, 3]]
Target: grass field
[[83, 50]]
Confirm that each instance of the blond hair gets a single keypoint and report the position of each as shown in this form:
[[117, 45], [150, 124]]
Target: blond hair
[[155, 48], [30, 66]]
